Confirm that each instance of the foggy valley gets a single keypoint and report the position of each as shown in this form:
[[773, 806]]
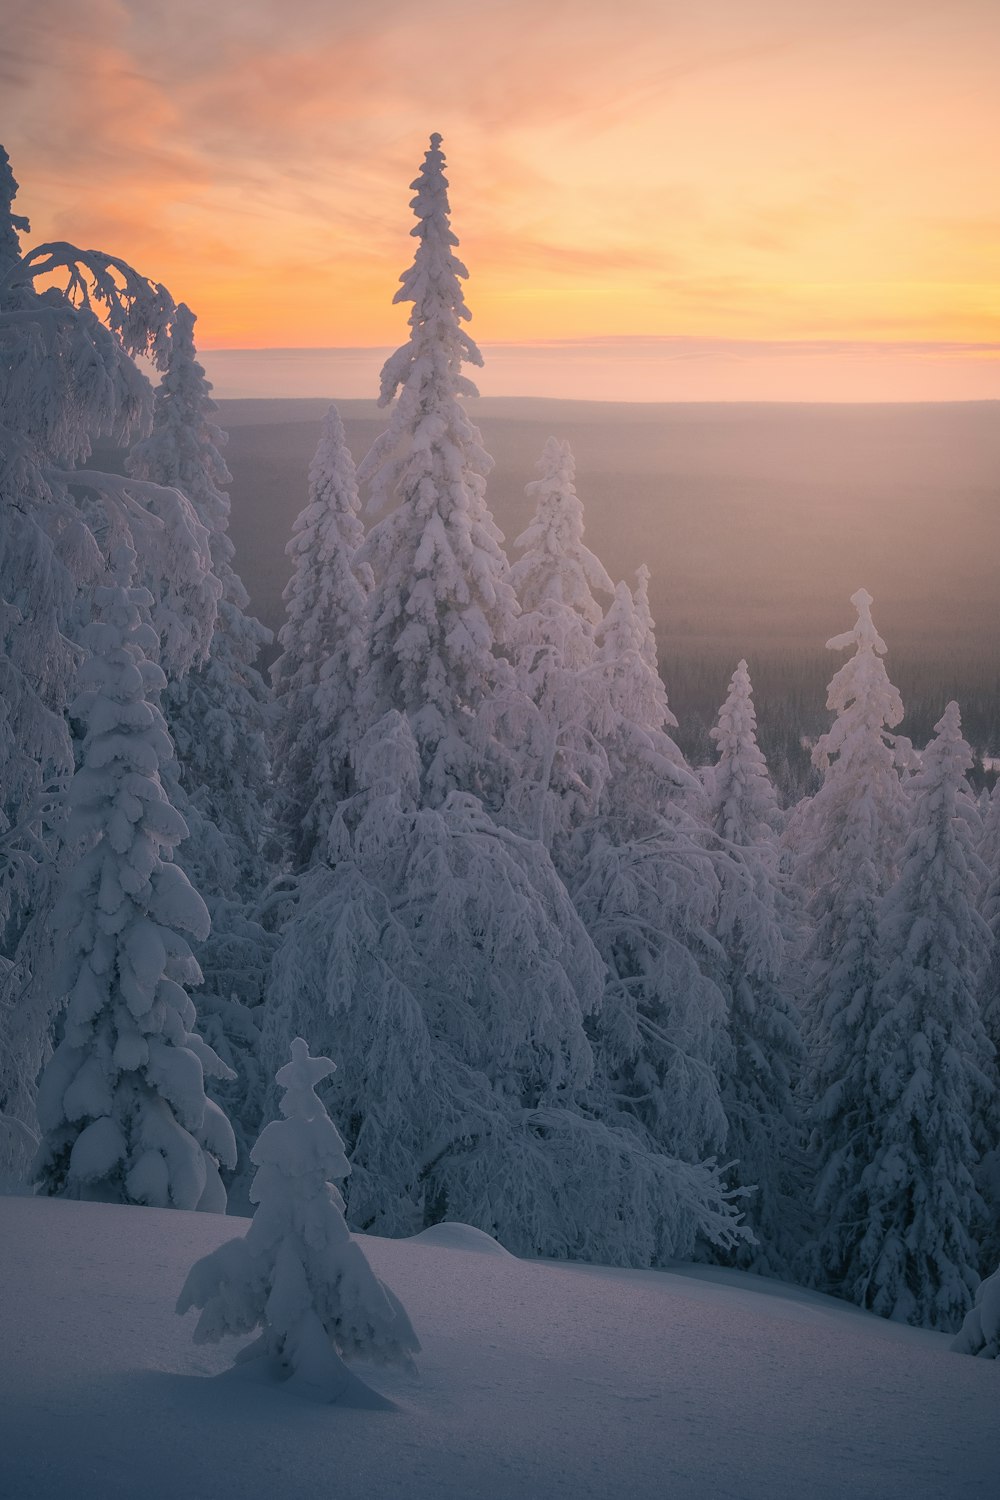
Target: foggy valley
[[758, 523]]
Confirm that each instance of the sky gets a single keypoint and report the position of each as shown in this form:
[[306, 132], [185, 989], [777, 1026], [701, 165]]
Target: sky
[[771, 196]]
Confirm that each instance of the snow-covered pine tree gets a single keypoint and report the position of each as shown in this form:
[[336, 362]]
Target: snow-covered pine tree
[[217, 715], [646, 771], [216, 712], [67, 376], [755, 929], [643, 880], [989, 848], [324, 651], [648, 903], [845, 840], [861, 802], [845, 844], [297, 1274], [743, 804], [644, 621], [444, 954], [122, 1100], [442, 601], [906, 1250], [980, 1332], [548, 716], [988, 1127], [555, 565]]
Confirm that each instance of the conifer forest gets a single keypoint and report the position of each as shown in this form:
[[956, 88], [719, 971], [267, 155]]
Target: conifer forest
[[554, 966]]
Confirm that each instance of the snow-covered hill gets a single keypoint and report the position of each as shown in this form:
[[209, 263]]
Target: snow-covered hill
[[539, 1381]]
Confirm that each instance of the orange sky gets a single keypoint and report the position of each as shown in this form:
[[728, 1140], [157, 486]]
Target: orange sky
[[742, 170]]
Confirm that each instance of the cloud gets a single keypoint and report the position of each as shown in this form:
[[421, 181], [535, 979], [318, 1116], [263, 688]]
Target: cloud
[[727, 168]]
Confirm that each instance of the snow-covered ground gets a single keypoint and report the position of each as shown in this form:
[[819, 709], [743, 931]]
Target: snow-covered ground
[[540, 1381]]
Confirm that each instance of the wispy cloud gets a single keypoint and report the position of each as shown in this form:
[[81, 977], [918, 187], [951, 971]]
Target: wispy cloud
[[774, 170]]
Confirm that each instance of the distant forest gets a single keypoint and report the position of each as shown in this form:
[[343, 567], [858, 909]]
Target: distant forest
[[758, 523]]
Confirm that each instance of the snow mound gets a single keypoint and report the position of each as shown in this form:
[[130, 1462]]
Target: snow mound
[[453, 1236]]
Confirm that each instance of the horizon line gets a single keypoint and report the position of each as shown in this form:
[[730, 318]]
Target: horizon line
[[690, 343]]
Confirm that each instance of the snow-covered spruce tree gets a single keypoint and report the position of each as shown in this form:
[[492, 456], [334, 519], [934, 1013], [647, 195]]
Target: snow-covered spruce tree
[[442, 601], [297, 1274], [648, 903], [845, 843], [324, 651], [217, 712], [548, 715], [555, 565], [980, 1332], [743, 803], [646, 771], [67, 376], [756, 932], [846, 839], [122, 1100], [988, 1127], [906, 1250], [443, 953], [989, 848], [861, 803], [642, 877]]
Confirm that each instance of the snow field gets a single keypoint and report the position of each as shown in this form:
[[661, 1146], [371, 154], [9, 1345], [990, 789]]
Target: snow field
[[537, 1381]]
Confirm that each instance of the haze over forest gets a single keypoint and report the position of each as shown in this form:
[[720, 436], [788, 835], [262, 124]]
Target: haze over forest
[[757, 521]]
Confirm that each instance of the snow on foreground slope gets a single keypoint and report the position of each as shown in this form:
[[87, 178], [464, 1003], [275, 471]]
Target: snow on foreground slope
[[538, 1380]]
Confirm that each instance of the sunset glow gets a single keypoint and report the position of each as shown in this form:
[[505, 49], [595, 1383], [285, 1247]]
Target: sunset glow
[[770, 172]]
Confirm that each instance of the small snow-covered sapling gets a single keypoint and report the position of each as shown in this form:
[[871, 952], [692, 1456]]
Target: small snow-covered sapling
[[297, 1274]]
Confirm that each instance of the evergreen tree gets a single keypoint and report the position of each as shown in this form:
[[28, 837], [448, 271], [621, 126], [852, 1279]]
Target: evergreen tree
[[742, 801], [122, 1101], [647, 774], [217, 712], [297, 1274], [443, 952], [755, 930], [848, 839], [643, 879], [648, 903], [906, 1251], [325, 651], [845, 840], [67, 376], [988, 1126], [549, 716], [442, 601], [860, 804], [980, 1332], [555, 566]]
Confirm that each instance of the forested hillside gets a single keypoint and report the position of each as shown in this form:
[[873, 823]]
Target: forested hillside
[[593, 983]]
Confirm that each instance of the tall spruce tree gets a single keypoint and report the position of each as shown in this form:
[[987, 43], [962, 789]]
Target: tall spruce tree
[[988, 1127], [442, 601], [549, 715], [324, 651], [67, 377], [848, 839], [122, 1102], [643, 878], [217, 712], [755, 929], [910, 1255]]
